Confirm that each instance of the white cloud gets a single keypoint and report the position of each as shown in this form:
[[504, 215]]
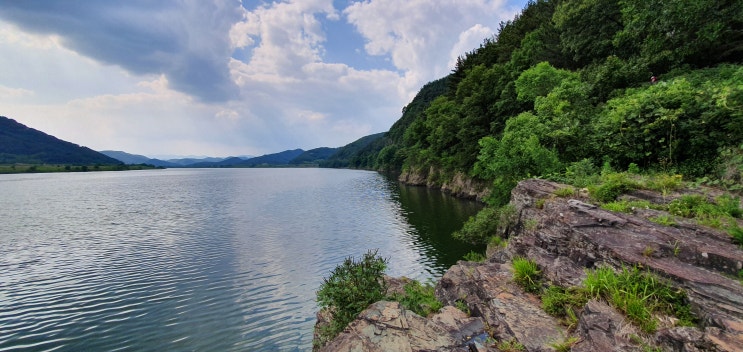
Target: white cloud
[[210, 77], [420, 36], [468, 40], [14, 93]]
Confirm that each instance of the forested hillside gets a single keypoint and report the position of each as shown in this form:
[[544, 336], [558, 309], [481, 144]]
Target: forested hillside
[[565, 87], [21, 144]]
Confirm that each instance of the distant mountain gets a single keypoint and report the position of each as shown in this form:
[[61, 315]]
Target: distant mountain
[[313, 156], [133, 159], [21, 144], [345, 155], [191, 161], [281, 158]]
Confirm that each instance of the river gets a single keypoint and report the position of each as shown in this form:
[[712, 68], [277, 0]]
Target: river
[[200, 259]]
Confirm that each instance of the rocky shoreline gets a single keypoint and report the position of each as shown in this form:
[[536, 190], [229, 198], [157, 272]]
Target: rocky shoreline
[[565, 236]]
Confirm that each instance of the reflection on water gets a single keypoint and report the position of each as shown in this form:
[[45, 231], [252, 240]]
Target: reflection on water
[[209, 260]]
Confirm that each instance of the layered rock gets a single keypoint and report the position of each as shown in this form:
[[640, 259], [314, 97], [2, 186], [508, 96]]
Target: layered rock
[[387, 326], [566, 236]]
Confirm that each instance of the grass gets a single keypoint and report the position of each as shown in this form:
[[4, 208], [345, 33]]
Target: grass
[[473, 256], [736, 232], [526, 274], [565, 192], [419, 298], [638, 295], [624, 206], [462, 305], [565, 345], [497, 241], [563, 303], [663, 219], [511, 345]]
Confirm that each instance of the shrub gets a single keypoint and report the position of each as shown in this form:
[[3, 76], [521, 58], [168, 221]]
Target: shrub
[[581, 173], [419, 298], [526, 274], [665, 183], [613, 185], [351, 287], [487, 223], [686, 206]]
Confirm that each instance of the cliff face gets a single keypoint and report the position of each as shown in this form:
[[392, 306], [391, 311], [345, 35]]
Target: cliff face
[[566, 236], [458, 185]]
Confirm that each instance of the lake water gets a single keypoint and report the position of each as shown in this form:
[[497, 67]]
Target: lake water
[[200, 259]]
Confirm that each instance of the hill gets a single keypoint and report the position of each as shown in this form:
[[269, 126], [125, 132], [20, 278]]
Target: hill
[[566, 85], [133, 159], [313, 156], [21, 144], [349, 155]]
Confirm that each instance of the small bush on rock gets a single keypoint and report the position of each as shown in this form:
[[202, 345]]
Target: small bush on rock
[[351, 287]]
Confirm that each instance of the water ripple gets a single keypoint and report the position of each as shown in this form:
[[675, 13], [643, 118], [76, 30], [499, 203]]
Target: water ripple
[[208, 260]]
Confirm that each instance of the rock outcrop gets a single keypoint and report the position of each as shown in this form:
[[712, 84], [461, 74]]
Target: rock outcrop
[[459, 185], [387, 326], [565, 236]]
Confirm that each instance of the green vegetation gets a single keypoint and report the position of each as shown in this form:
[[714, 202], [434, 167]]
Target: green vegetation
[[565, 345], [489, 222], [565, 87], [565, 192], [526, 274], [563, 303], [473, 256], [511, 345], [462, 305], [419, 298], [355, 284], [23, 145], [41, 168], [351, 287], [638, 295]]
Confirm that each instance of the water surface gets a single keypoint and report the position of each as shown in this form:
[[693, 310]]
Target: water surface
[[200, 259]]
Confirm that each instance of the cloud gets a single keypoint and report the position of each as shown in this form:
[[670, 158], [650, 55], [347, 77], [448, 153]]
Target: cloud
[[420, 36], [186, 40], [213, 77]]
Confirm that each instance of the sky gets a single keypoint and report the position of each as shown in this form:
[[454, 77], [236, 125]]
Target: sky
[[225, 77]]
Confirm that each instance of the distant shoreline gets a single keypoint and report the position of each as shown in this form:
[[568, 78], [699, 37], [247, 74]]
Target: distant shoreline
[[48, 168]]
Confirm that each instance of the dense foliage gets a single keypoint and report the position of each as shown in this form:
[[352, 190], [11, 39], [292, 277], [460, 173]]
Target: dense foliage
[[566, 85]]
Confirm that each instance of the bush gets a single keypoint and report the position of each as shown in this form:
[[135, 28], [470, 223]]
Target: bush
[[419, 298], [351, 287], [614, 185], [487, 223]]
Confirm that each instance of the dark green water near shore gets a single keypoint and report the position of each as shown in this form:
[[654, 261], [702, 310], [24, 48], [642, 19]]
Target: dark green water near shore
[[200, 259]]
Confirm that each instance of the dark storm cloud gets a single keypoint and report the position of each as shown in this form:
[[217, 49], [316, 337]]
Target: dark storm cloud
[[188, 41]]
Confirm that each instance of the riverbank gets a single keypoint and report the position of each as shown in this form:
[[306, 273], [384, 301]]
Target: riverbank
[[568, 237], [43, 168]]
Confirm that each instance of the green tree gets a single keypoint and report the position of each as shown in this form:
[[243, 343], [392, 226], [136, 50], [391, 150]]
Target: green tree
[[587, 29], [516, 156]]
